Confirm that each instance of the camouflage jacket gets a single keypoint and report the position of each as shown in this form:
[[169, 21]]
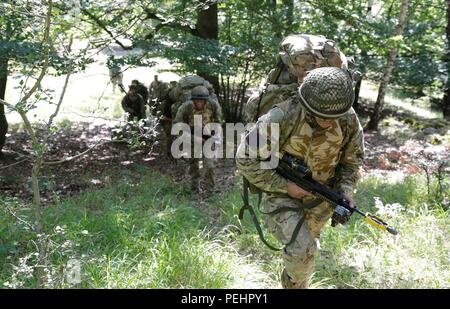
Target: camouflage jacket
[[334, 155], [142, 90], [157, 90], [134, 104], [210, 113]]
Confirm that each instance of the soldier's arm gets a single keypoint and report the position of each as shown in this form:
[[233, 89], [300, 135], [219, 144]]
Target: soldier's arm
[[146, 93], [266, 180], [165, 107], [347, 170], [179, 117], [125, 106]]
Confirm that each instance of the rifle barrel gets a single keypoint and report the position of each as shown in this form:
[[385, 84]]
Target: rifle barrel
[[287, 169]]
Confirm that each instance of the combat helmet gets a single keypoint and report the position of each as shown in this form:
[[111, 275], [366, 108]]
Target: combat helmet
[[327, 92], [199, 93]]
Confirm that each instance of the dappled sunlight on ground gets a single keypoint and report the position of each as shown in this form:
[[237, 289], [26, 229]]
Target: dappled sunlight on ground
[[369, 91]]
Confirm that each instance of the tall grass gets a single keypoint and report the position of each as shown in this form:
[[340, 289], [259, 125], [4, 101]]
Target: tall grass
[[145, 232]]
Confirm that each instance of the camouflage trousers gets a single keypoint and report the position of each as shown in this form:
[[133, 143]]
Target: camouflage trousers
[[194, 171], [298, 257]]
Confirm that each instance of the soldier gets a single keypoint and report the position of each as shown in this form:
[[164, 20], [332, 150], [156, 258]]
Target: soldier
[[317, 125], [153, 89], [115, 76], [157, 92], [200, 104], [165, 109], [141, 89], [115, 73], [133, 104]]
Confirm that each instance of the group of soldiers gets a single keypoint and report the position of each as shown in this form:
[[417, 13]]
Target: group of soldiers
[[312, 104], [138, 97], [175, 102]]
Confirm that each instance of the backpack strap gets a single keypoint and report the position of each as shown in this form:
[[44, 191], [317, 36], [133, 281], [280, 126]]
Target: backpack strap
[[273, 80]]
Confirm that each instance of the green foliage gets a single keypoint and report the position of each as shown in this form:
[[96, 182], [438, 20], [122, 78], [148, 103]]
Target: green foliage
[[358, 256], [136, 233], [140, 233], [250, 31]]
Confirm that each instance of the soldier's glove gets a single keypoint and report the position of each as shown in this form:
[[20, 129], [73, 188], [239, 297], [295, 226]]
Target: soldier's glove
[[341, 215]]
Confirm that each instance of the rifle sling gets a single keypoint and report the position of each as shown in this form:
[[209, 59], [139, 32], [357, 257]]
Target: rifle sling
[[255, 220]]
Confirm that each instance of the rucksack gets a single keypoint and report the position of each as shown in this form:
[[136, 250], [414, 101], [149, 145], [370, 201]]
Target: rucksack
[[182, 91], [297, 54]]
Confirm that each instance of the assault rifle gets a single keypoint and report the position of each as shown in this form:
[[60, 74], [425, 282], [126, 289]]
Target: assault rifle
[[122, 88], [299, 173]]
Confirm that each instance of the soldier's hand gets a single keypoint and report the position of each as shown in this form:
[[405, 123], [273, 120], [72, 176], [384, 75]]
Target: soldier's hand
[[296, 192], [350, 200]]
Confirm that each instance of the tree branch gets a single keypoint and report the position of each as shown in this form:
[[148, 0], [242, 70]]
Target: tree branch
[[68, 159], [46, 43], [14, 164], [13, 214], [165, 23], [103, 26], [66, 82]]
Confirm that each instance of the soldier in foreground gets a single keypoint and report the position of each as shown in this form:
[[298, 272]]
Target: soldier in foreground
[[133, 104], [318, 126], [210, 111]]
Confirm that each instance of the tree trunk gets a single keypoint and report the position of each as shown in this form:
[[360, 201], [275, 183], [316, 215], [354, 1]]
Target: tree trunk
[[379, 104], [356, 100], [446, 101], [3, 122], [356, 106], [289, 13], [207, 27]]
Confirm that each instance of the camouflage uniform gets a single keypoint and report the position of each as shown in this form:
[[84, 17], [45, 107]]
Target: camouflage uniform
[[164, 110], [134, 105], [115, 76], [185, 85], [142, 90], [333, 154], [210, 113], [157, 90]]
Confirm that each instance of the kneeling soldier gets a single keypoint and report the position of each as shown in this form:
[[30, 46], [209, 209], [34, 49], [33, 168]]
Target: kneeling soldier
[[133, 104]]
